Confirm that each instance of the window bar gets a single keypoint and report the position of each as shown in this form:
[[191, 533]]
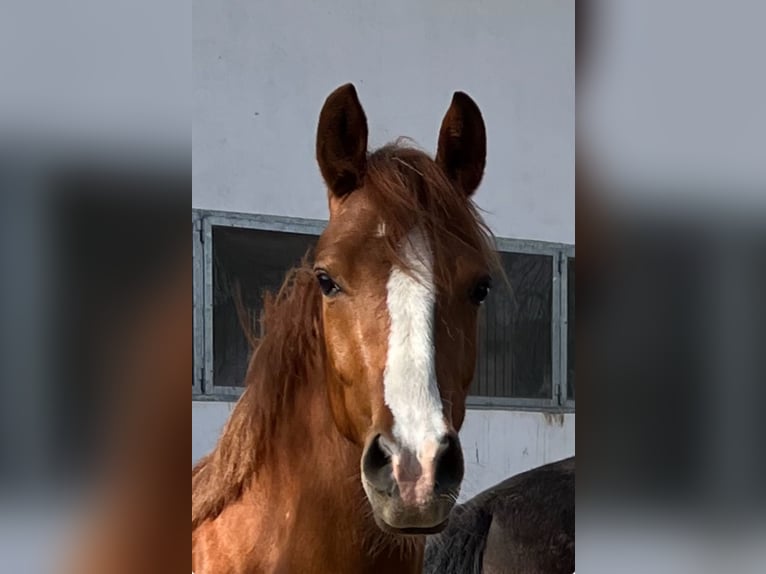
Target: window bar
[[504, 347], [555, 398], [207, 294], [197, 306], [486, 354], [495, 377]]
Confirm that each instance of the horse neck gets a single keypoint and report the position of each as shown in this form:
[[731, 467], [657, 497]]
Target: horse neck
[[310, 460], [313, 485], [307, 447]]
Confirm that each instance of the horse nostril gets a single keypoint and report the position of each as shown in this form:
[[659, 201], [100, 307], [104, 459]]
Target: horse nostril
[[448, 473], [377, 467]]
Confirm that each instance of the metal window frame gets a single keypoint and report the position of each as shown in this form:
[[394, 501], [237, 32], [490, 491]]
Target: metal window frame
[[198, 331], [204, 387], [556, 402], [566, 254], [208, 220]]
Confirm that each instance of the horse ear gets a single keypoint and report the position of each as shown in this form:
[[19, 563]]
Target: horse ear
[[462, 148], [342, 141]]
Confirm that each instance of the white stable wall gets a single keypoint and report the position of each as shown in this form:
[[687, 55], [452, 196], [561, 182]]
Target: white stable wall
[[263, 69]]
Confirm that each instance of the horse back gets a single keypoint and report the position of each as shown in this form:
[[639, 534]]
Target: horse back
[[523, 525]]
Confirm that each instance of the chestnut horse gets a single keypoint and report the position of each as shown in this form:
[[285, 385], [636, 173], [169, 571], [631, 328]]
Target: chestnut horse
[[342, 452]]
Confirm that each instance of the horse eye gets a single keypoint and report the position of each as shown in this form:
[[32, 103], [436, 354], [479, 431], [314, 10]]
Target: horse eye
[[326, 284], [481, 290]]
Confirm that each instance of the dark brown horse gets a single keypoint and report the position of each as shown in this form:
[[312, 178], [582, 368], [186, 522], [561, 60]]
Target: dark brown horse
[[342, 452], [523, 525]]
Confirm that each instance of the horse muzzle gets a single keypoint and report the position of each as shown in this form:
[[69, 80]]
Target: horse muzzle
[[412, 493]]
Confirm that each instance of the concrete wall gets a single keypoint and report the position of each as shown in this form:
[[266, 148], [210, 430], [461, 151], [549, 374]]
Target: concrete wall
[[263, 69]]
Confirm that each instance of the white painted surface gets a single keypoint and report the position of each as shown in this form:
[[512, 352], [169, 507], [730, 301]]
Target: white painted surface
[[496, 443], [208, 418], [263, 69], [500, 443]]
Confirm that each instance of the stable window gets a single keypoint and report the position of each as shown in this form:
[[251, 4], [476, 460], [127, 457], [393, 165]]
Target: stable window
[[243, 257], [526, 327], [515, 349], [246, 264]]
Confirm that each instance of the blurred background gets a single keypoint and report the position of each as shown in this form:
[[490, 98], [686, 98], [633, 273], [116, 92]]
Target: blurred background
[[671, 230], [96, 104], [95, 187]]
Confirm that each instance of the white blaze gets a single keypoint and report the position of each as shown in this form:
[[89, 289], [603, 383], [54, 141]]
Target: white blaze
[[410, 386]]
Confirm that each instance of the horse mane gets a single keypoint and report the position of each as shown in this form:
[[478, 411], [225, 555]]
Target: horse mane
[[286, 356], [407, 188]]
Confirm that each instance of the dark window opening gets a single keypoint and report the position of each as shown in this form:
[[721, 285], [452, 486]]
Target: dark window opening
[[253, 262], [515, 357]]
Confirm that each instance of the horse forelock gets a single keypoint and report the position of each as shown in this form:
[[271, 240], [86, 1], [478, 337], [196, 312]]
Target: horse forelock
[[408, 190]]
